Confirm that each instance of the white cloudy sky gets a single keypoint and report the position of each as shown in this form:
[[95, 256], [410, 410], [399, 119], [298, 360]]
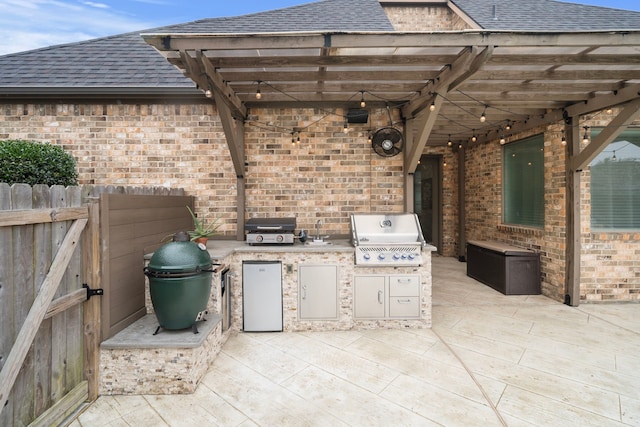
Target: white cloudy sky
[[30, 24]]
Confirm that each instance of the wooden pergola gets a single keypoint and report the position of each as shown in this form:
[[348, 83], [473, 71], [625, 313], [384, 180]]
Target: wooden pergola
[[442, 82]]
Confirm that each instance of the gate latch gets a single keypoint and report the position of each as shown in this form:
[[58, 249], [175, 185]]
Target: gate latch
[[92, 292]]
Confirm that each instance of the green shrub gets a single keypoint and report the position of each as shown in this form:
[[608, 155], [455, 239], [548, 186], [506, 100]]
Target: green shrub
[[33, 163]]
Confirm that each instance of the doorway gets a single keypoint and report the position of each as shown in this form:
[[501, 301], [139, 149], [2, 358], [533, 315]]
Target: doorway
[[427, 187]]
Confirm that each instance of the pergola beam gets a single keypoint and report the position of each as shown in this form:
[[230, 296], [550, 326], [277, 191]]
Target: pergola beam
[[629, 113]]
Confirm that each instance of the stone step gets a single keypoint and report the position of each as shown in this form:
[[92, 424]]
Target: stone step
[[135, 361]]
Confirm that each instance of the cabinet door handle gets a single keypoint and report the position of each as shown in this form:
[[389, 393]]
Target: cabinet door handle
[[404, 301], [304, 291], [380, 297]]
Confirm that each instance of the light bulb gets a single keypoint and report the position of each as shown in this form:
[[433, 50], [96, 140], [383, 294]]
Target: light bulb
[[432, 107], [483, 117], [345, 129], [449, 142], [258, 94], [502, 139], [585, 138], [208, 93]]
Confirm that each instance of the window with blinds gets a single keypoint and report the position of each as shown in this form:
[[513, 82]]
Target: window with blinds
[[615, 184], [523, 182]]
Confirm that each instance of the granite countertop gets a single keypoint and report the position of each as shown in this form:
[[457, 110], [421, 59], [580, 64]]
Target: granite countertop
[[219, 249]]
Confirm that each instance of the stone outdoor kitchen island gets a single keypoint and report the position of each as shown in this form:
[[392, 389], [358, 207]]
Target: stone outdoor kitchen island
[[137, 362]]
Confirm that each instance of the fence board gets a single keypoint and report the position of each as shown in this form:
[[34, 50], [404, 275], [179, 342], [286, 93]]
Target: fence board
[[7, 332], [24, 408], [75, 353], [59, 322], [42, 343]]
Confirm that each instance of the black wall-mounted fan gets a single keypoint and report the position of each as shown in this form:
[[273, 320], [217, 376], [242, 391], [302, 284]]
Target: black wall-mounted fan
[[387, 142]]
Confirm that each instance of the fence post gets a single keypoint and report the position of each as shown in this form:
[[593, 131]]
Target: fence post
[[91, 276]]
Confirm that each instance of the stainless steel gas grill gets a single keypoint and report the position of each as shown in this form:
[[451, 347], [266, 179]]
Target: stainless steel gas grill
[[392, 240], [270, 231]]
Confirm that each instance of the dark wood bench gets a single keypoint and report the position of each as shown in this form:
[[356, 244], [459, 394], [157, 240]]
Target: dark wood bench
[[505, 268]]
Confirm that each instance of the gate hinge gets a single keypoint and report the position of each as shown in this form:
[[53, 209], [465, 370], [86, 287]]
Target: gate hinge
[[92, 292]]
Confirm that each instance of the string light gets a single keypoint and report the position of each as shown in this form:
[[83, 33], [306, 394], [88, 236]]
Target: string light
[[585, 138], [614, 158], [563, 141], [345, 129], [483, 117], [362, 103], [502, 139], [449, 142], [208, 93], [258, 93], [508, 126], [474, 138]]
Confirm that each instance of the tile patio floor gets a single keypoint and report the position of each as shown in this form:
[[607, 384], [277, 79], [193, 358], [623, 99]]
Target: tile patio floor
[[490, 360]]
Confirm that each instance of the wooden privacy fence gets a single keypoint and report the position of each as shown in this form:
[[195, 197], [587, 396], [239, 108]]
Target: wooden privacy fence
[[49, 334], [54, 240]]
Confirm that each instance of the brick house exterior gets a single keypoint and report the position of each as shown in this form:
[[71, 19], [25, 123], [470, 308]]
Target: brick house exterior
[[179, 141]]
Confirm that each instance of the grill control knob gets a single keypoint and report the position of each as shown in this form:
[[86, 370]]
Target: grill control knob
[[259, 238], [381, 257], [366, 257], [396, 256], [411, 256], [279, 238], [404, 256]]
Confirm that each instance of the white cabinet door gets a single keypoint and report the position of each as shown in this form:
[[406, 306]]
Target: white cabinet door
[[318, 291], [369, 297]]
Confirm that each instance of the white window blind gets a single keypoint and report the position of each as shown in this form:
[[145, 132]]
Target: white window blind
[[615, 184]]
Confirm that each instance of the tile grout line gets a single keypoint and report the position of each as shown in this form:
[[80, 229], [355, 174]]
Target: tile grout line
[[602, 319], [473, 377]]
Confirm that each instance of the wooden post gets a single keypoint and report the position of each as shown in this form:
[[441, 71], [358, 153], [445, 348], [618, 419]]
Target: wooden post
[[91, 276], [462, 235], [573, 244]]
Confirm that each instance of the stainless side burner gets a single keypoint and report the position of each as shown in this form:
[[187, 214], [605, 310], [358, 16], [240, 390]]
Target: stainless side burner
[[392, 240]]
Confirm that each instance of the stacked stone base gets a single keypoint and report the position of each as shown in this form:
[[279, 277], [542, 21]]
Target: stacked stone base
[[171, 362]]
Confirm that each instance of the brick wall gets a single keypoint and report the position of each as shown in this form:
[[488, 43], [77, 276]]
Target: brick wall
[[137, 145], [609, 264], [610, 261], [326, 177], [423, 18]]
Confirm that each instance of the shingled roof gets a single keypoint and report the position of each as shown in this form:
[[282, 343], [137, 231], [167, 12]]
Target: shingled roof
[[127, 65], [546, 15]]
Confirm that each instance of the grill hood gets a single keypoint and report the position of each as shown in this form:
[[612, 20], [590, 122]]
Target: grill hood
[[384, 229]]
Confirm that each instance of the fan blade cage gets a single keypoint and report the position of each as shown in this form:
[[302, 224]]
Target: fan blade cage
[[387, 142]]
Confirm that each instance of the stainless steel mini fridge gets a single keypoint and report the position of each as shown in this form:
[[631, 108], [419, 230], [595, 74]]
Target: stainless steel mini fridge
[[262, 296]]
